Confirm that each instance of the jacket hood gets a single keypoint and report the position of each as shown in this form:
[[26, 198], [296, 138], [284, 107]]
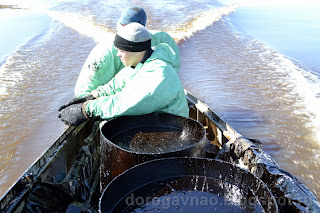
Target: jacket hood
[[163, 52]]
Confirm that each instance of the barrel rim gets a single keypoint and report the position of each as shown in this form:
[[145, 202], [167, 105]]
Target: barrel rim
[[265, 186], [154, 153]]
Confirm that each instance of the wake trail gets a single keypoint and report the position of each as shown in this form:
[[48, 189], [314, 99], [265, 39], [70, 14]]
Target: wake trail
[[182, 31], [86, 26], [186, 30]]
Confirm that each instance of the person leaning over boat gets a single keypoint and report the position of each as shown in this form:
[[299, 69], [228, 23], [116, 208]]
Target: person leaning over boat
[[148, 82], [102, 63]]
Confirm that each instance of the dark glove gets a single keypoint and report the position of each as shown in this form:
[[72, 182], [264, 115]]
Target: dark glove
[[77, 101], [72, 115]]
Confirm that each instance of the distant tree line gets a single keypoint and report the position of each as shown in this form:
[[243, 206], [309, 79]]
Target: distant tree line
[[8, 6]]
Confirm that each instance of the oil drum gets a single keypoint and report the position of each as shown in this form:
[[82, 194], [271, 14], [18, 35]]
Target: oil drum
[[130, 140], [186, 184]]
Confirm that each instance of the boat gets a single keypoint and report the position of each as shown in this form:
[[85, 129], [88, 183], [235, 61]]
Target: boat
[[67, 177]]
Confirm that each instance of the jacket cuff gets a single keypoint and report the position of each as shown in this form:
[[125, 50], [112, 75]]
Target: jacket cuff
[[95, 94], [83, 108]]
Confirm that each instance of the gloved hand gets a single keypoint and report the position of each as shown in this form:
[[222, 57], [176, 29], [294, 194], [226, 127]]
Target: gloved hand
[[73, 115], [77, 101]]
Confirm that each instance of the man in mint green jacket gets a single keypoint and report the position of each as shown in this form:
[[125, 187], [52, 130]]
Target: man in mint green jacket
[[103, 64], [147, 83]]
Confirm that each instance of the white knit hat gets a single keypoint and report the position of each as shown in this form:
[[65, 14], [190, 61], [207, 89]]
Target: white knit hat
[[133, 37]]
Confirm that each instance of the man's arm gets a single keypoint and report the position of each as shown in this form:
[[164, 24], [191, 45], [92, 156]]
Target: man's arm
[[100, 67], [148, 92]]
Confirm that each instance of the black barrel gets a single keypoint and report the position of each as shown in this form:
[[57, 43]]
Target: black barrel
[[185, 184], [130, 140]]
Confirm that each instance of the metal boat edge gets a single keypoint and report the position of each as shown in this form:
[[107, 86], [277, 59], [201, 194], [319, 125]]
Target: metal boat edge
[[64, 157]]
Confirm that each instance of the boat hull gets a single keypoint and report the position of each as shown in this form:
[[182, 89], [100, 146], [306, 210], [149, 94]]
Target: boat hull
[[72, 164]]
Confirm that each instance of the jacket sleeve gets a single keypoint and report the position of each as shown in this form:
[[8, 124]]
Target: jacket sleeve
[[115, 84], [101, 65], [146, 92]]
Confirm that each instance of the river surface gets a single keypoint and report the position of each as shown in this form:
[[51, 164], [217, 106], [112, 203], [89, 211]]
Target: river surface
[[255, 63]]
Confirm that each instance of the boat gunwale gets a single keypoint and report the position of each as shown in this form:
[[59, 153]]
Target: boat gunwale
[[35, 171]]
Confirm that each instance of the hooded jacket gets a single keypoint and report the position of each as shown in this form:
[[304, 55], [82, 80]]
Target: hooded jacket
[[103, 64], [152, 86]]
